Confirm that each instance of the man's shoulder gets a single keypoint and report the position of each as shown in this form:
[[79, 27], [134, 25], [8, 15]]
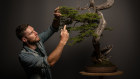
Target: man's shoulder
[[23, 51]]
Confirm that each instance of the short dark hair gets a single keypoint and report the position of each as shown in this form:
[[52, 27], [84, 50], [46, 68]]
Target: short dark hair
[[20, 30]]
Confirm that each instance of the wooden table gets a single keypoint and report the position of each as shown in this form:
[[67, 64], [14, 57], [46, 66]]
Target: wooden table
[[101, 75]]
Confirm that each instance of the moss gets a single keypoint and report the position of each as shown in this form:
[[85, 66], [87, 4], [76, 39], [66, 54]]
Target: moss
[[104, 64]]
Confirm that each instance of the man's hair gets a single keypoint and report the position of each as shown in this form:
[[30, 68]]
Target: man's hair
[[20, 30]]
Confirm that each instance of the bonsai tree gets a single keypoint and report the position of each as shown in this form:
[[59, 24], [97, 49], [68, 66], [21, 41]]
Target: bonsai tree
[[91, 23]]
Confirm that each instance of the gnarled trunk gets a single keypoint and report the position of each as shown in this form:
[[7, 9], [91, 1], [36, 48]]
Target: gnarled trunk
[[96, 56]]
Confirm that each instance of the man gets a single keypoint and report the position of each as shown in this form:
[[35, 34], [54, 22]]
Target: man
[[33, 56]]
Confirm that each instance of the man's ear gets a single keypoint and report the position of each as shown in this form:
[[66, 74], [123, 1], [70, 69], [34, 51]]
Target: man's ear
[[24, 39]]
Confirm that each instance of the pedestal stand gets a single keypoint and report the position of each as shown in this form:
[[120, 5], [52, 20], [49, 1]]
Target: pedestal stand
[[101, 75]]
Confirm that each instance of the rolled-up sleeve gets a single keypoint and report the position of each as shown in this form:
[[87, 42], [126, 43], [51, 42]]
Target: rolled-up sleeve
[[29, 60], [46, 34]]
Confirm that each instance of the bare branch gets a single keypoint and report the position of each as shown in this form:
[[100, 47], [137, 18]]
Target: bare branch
[[105, 5], [106, 50]]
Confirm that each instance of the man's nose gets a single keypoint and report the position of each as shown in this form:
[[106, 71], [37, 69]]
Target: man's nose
[[35, 33]]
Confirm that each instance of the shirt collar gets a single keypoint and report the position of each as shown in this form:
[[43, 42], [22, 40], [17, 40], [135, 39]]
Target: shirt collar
[[31, 50]]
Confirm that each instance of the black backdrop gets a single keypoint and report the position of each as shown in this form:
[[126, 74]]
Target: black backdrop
[[123, 17]]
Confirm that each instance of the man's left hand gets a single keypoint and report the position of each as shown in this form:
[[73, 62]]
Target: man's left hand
[[56, 20], [57, 13]]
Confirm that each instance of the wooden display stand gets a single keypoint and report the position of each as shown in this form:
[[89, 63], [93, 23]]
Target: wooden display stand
[[101, 75]]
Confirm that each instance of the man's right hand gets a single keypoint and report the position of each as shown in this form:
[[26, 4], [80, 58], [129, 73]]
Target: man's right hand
[[64, 35], [55, 55]]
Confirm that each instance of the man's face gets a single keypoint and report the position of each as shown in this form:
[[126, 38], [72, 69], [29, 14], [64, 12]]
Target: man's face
[[30, 35]]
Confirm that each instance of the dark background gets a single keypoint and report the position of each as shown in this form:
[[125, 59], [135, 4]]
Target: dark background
[[123, 17]]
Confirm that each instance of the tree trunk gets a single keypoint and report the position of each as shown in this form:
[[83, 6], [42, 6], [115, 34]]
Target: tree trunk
[[96, 44]]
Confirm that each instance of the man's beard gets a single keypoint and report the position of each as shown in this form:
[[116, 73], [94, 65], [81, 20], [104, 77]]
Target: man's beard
[[33, 42]]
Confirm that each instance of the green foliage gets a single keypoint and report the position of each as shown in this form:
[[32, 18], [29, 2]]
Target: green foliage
[[87, 17], [87, 23]]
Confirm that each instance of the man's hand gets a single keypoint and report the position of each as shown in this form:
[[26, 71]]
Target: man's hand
[[56, 20], [57, 13], [55, 55], [64, 35]]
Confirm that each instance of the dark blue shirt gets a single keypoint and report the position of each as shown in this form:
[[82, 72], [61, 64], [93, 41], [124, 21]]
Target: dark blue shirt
[[35, 62]]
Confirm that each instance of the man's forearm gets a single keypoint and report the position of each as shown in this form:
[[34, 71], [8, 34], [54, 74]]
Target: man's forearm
[[55, 55], [56, 22]]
